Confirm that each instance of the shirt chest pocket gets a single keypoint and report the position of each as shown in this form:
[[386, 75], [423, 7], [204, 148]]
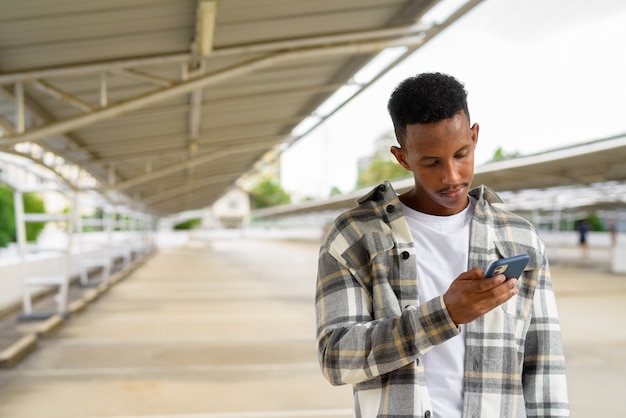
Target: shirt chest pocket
[[373, 262], [519, 306]]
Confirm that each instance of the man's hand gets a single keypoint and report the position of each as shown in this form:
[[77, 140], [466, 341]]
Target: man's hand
[[470, 295]]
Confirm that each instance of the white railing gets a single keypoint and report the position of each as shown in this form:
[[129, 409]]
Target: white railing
[[50, 261]]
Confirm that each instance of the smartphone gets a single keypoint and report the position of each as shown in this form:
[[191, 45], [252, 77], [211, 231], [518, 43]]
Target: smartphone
[[511, 267]]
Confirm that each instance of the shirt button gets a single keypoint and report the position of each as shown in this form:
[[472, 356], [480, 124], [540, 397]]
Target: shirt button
[[390, 209], [405, 255]]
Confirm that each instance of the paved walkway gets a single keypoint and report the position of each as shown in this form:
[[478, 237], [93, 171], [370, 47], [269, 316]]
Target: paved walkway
[[227, 331]]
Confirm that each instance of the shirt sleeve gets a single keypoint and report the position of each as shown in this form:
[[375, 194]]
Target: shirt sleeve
[[354, 344]]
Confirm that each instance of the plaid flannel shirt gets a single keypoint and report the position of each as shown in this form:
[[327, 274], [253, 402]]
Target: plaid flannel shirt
[[371, 329]]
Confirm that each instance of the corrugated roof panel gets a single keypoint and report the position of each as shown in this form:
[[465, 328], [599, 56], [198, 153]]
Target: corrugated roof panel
[[124, 22], [236, 104], [301, 26], [253, 10]]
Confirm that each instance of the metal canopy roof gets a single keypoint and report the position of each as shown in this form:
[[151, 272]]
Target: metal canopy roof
[[168, 103], [600, 161]]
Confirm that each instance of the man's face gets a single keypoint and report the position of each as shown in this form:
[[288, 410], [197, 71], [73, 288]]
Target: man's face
[[441, 157]]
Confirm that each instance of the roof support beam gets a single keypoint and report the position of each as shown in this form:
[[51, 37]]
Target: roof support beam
[[186, 87], [141, 76], [6, 126], [195, 115], [197, 200], [201, 159], [104, 97], [189, 187], [177, 152], [19, 108], [61, 95], [267, 47], [43, 115], [82, 69], [205, 26], [313, 42]]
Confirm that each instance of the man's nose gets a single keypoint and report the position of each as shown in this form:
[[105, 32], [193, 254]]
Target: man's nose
[[452, 173]]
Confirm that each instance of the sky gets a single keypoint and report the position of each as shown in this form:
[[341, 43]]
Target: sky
[[540, 74]]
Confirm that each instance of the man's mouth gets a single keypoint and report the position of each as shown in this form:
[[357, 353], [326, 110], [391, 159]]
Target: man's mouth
[[453, 193]]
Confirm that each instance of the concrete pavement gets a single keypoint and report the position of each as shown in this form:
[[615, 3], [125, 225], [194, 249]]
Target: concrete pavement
[[226, 330], [204, 331]]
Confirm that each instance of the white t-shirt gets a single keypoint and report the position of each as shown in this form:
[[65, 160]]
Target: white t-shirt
[[442, 245]]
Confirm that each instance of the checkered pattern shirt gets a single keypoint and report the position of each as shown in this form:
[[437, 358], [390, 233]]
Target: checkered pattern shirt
[[372, 331]]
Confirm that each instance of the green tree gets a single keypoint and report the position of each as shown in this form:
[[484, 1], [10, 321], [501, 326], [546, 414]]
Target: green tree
[[189, 224], [268, 192], [335, 191], [378, 171], [32, 204], [97, 214], [500, 154], [595, 223], [7, 217], [381, 165]]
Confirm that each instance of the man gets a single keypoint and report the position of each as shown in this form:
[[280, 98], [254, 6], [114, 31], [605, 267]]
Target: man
[[404, 312], [583, 229]]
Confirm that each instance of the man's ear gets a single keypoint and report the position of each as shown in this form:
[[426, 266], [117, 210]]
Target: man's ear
[[400, 157], [474, 129]]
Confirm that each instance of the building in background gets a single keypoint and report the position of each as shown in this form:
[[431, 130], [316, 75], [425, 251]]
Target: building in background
[[231, 211]]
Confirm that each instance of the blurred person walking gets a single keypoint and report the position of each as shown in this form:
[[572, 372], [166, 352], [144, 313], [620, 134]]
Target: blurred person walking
[[583, 229]]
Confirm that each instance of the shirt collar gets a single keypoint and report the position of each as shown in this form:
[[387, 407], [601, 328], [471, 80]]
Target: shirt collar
[[386, 192]]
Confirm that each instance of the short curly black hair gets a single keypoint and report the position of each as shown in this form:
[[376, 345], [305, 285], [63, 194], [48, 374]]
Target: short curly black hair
[[425, 98]]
